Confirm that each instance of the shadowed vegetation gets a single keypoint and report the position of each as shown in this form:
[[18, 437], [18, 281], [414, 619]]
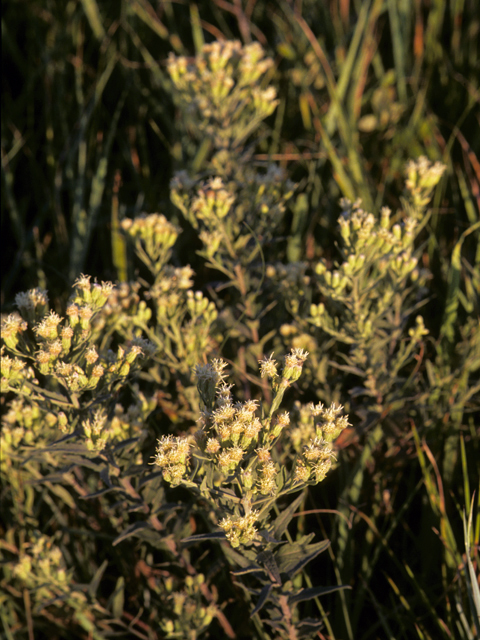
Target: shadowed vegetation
[[240, 179]]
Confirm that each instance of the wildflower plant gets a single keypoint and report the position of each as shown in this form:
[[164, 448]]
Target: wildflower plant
[[42, 569], [123, 516], [220, 94], [189, 611], [234, 215], [235, 207], [170, 312], [235, 220], [58, 367], [183, 316], [234, 462], [370, 296]]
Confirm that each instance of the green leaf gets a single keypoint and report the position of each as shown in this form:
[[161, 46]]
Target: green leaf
[[93, 586], [219, 535], [299, 224], [268, 560], [64, 495], [56, 398], [131, 531], [88, 625], [447, 332], [197, 32], [281, 523], [471, 578], [102, 492], [124, 443], [244, 559], [314, 592], [293, 557], [264, 593], [251, 568], [94, 18], [118, 598]]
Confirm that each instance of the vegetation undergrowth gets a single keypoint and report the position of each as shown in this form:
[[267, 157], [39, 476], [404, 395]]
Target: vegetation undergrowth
[[286, 197]]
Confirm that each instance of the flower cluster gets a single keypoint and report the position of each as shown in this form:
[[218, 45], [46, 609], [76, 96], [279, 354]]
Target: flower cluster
[[378, 261], [58, 337], [219, 93], [240, 529], [13, 371], [172, 457], [33, 304], [316, 460], [422, 177], [232, 437], [153, 236], [189, 609], [67, 352], [12, 329], [96, 431], [213, 201], [227, 207], [237, 461], [291, 372], [93, 296], [294, 362], [172, 291], [41, 568], [316, 429], [229, 432], [362, 231], [24, 424], [123, 305], [329, 422]]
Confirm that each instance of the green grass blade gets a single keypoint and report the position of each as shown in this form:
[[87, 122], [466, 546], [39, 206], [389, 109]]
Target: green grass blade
[[447, 332], [86, 220], [348, 138], [94, 18], [147, 14], [471, 578], [397, 30], [197, 32]]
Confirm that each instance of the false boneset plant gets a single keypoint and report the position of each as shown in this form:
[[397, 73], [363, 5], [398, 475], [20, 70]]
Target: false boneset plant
[[66, 413], [370, 294], [59, 364], [219, 93], [242, 462], [183, 317], [235, 207]]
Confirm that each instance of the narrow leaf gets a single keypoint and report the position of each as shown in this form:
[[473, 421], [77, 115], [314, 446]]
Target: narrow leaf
[[449, 321], [252, 568], [220, 535], [264, 593], [292, 558], [118, 598], [131, 531], [94, 18], [93, 586], [314, 592], [281, 523], [268, 560]]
